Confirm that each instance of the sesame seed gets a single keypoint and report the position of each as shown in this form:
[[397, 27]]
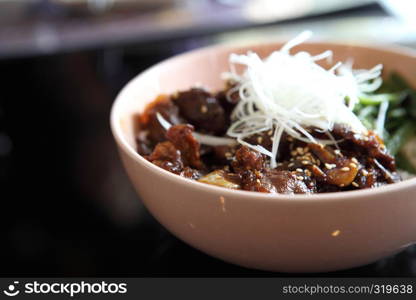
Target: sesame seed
[[365, 173], [330, 166], [259, 139], [353, 165], [290, 139], [279, 164], [300, 150], [354, 160], [337, 152], [299, 177], [345, 169], [342, 185], [299, 170], [228, 154], [258, 181], [291, 165], [204, 109], [318, 162], [305, 162], [307, 172], [270, 132], [355, 184], [294, 153]]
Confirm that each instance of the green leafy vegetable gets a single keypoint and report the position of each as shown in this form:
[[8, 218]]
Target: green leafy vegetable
[[400, 117], [400, 136]]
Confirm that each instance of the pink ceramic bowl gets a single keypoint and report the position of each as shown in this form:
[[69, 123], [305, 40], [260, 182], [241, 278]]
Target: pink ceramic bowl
[[302, 233]]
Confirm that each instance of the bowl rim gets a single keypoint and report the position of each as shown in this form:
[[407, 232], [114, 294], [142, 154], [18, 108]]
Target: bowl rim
[[340, 196]]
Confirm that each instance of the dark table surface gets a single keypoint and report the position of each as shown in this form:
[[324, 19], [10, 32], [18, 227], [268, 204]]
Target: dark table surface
[[42, 27], [67, 207]]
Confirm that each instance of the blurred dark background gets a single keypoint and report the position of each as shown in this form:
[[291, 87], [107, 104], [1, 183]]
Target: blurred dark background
[[67, 207]]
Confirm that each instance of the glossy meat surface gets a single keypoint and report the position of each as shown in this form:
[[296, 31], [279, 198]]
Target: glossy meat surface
[[354, 162]]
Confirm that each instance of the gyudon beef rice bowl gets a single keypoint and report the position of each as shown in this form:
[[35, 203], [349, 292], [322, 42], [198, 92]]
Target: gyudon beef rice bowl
[[284, 124]]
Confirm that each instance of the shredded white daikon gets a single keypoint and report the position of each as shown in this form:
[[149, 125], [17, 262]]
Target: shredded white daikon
[[202, 138], [381, 119], [165, 124], [290, 93], [286, 93]]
